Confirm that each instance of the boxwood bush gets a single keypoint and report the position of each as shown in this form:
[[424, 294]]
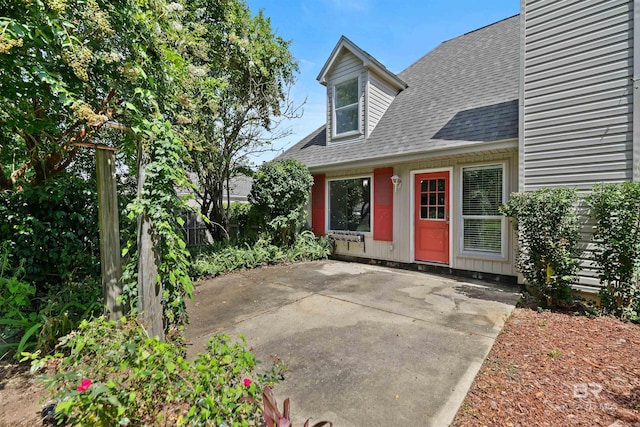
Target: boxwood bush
[[548, 233]]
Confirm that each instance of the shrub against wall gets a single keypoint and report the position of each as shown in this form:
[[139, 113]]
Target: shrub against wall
[[616, 211], [279, 195], [548, 231]]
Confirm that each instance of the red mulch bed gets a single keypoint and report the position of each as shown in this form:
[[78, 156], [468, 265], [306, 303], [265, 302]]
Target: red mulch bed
[[554, 369]]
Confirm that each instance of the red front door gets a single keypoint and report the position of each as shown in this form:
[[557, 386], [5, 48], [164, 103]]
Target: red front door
[[432, 217]]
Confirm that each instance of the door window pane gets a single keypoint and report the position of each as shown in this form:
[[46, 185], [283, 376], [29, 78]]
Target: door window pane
[[432, 199]]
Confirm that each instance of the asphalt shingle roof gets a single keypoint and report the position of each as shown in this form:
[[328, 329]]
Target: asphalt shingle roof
[[463, 92]]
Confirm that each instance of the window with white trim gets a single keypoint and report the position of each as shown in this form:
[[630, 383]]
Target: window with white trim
[[346, 106], [482, 195], [350, 204]]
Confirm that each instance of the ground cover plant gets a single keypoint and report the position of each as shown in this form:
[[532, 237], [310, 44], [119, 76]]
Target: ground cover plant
[[113, 373], [225, 257]]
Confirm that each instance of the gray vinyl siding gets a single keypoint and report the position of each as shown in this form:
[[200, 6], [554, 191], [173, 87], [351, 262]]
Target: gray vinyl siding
[[577, 99], [400, 249], [379, 97], [347, 65], [578, 93]]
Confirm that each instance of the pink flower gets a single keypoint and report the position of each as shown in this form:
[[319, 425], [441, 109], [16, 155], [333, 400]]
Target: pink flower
[[84, 385], [247, 382]]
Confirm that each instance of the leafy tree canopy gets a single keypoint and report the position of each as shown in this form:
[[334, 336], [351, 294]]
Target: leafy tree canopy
[[72, 69], [251, 69]]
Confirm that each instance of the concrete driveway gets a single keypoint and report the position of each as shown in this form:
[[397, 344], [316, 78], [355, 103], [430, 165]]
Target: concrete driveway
[[365, 345]]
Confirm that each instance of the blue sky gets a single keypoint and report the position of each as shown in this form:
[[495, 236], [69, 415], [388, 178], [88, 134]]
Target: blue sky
[[396, 33]]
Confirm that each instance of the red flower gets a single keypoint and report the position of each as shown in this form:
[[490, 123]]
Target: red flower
[[84, 385], [247, 382]]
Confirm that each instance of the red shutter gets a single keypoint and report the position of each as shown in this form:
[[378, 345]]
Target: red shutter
[[383, 205], [317, 205]]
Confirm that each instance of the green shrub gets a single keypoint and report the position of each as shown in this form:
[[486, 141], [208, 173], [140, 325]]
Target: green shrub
[[238, 213], [548, 232], [616, 211], [51, 232], [244, 216], [280, 194], [113, 374]]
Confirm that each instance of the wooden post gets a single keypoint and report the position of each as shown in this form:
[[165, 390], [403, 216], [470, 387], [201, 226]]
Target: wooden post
[[149, 288], [110, 255]]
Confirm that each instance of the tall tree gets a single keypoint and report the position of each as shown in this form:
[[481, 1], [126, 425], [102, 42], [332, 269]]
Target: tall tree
[[72, 70], [252, 70]]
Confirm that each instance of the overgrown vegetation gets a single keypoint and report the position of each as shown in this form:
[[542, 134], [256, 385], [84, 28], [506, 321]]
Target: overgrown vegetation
[[223, 257], [156, 80], [548, 233], [279, 195], [49, 265], [167, 85], [616, 211], [109, 374]]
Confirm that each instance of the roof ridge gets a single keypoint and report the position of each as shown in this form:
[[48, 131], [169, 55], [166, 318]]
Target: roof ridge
[[483, 27]]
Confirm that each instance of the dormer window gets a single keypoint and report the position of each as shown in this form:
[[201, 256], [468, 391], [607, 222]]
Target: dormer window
[[347, 107], [359, 91]]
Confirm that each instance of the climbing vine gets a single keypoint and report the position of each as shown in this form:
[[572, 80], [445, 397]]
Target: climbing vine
[[160, 201]]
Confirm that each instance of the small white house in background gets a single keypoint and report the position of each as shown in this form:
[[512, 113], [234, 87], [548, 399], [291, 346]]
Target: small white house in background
[[411, 168]]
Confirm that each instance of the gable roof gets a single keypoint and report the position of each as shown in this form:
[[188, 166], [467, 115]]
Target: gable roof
[[368, 62], [462, 94]]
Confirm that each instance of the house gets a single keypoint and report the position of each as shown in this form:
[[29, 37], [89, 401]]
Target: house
[[411, 168]]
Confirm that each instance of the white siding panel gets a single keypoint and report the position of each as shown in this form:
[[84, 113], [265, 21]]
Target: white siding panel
[[582, 114], [582, 61], [577, 97], [380, 97], [584, 80]]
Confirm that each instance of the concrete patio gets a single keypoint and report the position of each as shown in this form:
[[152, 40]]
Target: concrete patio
[[365, 345]]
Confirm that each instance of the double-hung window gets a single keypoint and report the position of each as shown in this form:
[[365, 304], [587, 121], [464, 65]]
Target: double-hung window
[[346, 106], [482, 224], [350, 204]]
